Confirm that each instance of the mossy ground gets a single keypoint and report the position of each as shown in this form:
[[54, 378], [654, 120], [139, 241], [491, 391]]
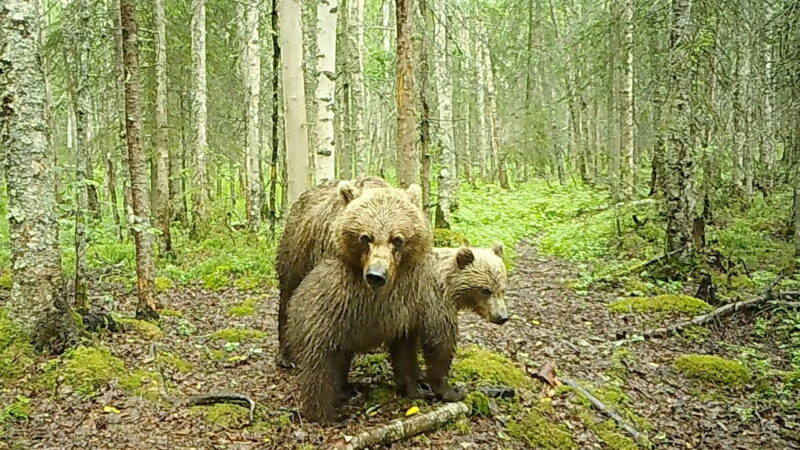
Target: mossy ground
[[16, 353], [5, 279], [143, 328], [667, 303], [239, 334], [223, 415], [246, 308], [86, 369], [174, 362], [479, 367], [713, 369], [163, 284], [537, 430]]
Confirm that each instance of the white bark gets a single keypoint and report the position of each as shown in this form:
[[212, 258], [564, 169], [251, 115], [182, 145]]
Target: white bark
[[357, 93], [199, 109], [491, 98], [482, 144], [325, 161], [628, 173], [294, 103], [386, 24], [82, 107], [444, 92], [161, 206], [252, 81]]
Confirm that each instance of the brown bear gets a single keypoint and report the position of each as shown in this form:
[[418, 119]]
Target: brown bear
[[379, 286], [475, 279], [306, 238]]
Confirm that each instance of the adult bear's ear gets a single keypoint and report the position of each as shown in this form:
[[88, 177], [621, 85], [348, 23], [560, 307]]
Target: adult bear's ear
[[498, 249], [414, 193], [346, 191], [464, 257]]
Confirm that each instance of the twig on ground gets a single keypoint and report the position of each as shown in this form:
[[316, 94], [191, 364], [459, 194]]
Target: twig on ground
[[212, 399], [639, 268], [605, 410], [402, 428]]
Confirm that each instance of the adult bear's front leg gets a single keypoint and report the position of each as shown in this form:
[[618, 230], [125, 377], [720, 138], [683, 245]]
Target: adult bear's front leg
[[438, 358], [403, 354], [320, 378]]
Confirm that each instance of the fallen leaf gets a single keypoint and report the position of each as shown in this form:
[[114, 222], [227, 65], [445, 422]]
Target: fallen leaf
[[536, 322], [111, 410], [547, 373], [411, 411]]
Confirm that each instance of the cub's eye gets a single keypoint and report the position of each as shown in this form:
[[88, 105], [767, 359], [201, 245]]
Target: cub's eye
[[365, 239], [398, 242], [487, 292]]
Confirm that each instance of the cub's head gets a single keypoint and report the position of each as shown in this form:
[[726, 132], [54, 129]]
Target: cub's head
[[382, 232], [477, 280]]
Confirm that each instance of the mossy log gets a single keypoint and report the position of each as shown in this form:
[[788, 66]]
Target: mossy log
[[605, 410]]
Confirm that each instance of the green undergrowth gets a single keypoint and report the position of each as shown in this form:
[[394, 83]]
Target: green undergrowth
[[537, 430], [85, 369], [143, 328], [667, 303], [239, 334], [234, 417], [373, 365], [713, 370], [5, 279], [174, 362], [478, 367], [246, 308], [16, 352], [443, 237]]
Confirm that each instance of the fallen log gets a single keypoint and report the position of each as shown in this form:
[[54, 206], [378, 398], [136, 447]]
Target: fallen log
[[402, 428], [606, 411]]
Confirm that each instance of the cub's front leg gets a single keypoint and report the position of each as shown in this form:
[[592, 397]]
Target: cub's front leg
[[320, 380]]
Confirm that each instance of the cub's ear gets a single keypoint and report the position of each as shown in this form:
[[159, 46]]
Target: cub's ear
[[498, 249], [414, 193], [464, 257], [346, 191]]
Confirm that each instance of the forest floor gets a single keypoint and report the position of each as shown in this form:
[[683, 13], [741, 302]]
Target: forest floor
[[577, 332]]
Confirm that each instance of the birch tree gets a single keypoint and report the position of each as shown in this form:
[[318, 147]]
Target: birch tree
[[482, 144], [444, 92], [357, 91], [161, 205], [146, 308], [200, 194], [252, 81], [294, 111], [325, 162], [628, 172], [82, 106], [37, 302]]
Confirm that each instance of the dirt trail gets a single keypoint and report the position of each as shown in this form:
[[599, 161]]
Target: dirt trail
[[551, 323]]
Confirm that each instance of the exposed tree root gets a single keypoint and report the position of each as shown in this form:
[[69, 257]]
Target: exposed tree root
[[402, 428], [605, 410], [232, 398]]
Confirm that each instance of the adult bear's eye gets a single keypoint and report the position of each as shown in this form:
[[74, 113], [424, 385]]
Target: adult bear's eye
[[398, 242], [365, 239], [487, 292]]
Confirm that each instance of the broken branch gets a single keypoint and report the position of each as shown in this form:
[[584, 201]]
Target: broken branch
[[605, 410], [402, 428]]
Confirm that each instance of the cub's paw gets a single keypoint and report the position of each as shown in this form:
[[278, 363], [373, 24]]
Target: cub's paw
[[451, 395]]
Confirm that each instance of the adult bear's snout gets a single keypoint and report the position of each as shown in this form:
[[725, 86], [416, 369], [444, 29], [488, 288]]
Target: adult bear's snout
[[376, 276]]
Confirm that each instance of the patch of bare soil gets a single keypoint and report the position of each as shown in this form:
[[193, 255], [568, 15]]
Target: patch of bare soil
[[551, 324]]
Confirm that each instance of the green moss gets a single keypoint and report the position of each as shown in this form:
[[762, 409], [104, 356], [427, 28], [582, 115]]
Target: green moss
[[373, 365], [538, 431], [668, 303], [223, 415], [620, 360], [174, 361], [16, 352], [246, 308], [163, 284], [443, 237], [143, 383], [697, 334], [478, 404], [461, 425], [485, 368], [18, 411], [248, 283], [5, 279], [379, 395], [635, 286], [713, 369], [216, 280], [144, 328], [170, 313], [86, 369], [239, 334], [613, 439]]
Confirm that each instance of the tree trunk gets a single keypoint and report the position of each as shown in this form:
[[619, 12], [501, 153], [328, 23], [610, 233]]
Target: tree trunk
[[444, 93], [386, 24], [37, 303], [491, 98], [425, 113], [294, 97], [679, 177], [252, 82], [122, 147], [276, 117], [143, 237], [482, 143], [358, 95], [162, 203], [611, 111], [200, 194], [111, 185], [407, 170], [325, 161], [628, 172]]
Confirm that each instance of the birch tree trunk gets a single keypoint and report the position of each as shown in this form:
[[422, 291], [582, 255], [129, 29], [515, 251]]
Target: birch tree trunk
[[482, 144], [122, 147], [491, 97], [162, 203], [37, 302], [325, 161], [444, 92], [628, 172], [423, 78], [612, 144], [357, 93], [291, 42], [276, 120], [386, 24], [200, 193], [252, 81], [678, 183], [147, 307], [407, 169]]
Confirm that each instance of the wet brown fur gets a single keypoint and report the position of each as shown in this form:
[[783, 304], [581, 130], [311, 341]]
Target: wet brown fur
[[334, 313]]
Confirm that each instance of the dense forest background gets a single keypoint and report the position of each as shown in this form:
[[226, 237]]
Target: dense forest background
[[653, 145]]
